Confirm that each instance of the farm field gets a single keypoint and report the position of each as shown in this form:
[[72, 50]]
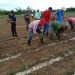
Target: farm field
[[16, 57]]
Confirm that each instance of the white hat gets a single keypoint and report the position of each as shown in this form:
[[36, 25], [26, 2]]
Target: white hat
[[63, 8]]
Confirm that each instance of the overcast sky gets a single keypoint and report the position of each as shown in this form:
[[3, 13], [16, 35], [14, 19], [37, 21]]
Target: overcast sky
[[36, 4]]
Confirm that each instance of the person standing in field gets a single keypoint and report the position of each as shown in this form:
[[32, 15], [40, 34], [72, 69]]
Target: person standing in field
[[12, 21], [59, 15], [37, 15], [27, 18], [47, 16]]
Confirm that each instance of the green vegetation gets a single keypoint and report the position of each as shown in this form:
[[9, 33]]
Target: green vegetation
[[19, 11], [70, 9]]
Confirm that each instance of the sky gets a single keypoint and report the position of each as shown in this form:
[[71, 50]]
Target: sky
[[36, 4]]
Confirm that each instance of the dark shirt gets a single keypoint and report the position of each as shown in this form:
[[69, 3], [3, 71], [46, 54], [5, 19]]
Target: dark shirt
[[13, 18]]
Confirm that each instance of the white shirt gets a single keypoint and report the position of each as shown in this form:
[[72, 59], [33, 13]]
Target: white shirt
[[34, 25]]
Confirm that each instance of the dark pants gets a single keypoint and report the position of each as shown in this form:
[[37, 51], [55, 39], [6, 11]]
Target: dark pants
[[72, 26], [30, 36], [13, 30]]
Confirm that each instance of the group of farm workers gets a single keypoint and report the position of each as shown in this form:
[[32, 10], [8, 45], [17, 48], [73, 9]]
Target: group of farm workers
[[44, 24]]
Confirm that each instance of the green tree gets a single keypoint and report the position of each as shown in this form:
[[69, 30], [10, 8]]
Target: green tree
[[72, 9], [18, 11]]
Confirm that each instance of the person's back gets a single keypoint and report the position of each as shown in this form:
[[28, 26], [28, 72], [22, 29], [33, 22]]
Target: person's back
[[33, 25], [59, 15], [46, 15], [37, 15], [71, 19]]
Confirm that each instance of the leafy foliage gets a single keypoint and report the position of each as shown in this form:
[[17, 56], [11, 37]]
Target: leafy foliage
[[70, 9]]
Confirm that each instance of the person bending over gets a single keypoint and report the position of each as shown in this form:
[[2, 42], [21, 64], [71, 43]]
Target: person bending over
[[35, 27]]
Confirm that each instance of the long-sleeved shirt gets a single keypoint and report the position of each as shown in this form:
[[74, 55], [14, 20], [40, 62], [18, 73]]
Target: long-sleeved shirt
[[34, 25]]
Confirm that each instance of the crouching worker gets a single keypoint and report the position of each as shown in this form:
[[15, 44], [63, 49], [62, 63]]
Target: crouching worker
[[35, 28], [71, 21], [58, 29]]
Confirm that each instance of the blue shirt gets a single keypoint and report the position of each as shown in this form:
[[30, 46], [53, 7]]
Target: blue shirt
[[13, 18], [60, 14]]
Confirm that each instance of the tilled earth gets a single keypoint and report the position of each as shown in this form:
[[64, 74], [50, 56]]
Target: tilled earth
[[63, 67], [37, 53]]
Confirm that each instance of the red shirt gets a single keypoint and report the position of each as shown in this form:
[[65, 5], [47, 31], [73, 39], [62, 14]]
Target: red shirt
[[46, 15], [42, 21]]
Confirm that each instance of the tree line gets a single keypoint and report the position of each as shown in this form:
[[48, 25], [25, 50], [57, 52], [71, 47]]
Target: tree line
[[19, 11]]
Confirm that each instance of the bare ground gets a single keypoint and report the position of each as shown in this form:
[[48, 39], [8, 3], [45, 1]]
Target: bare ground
[[31, 56]]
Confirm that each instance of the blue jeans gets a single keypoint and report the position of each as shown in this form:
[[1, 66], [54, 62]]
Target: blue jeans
[[30, 35], [46, 27]]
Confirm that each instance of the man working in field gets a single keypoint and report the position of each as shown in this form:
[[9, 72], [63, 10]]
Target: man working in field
[[60, 15], [35, 27], [47, 16], [71, 21], [58, 28]]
